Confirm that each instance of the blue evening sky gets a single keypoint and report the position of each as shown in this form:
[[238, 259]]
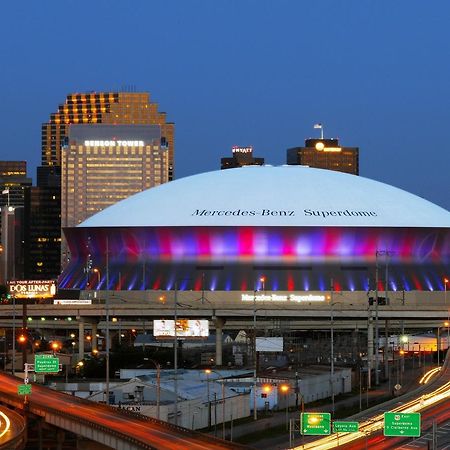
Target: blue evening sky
[[249, 72]]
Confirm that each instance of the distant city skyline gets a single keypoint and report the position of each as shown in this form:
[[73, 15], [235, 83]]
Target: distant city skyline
[[375, 74]]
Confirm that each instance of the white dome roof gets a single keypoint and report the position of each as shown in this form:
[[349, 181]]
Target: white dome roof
[[272, 196]]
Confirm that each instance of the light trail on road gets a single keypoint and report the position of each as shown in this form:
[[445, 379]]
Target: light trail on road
[[377, 422], [7, 424]]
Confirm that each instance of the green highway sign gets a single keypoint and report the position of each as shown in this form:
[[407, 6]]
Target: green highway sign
[[402, 424], [315, 424], [345, 427], [24, 389], [46, 364]]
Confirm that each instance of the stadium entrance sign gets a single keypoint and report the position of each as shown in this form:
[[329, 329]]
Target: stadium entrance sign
[[283, 298]]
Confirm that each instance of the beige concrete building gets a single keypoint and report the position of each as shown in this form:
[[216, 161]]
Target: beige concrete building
[[103, 164]]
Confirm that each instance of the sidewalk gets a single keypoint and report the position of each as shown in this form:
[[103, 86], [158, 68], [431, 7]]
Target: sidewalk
[[281, 441]]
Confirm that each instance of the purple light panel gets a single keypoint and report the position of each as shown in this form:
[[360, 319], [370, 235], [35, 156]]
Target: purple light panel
[[297, 258]]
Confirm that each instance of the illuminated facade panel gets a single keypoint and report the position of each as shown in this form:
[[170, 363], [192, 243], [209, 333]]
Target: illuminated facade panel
[[232, 258]]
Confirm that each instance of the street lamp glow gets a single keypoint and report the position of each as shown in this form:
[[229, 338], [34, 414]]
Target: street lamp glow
[[284, 388]]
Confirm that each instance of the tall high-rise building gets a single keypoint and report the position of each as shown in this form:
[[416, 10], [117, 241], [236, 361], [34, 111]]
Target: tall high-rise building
[[325, 154], [103, 164], [42, 227], [43, 236], [242, 156], [113, 108], [13, 181]]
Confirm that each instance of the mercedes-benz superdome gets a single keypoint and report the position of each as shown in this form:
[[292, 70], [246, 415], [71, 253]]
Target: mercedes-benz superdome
[[295, 227]]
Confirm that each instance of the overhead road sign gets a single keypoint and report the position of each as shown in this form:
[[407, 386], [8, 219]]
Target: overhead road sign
[[345, 427], [315, 424], [24, 389], [46, 364], [402, 424]]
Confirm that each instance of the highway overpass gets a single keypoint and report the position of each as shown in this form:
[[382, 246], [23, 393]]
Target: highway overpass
[[110, 427]]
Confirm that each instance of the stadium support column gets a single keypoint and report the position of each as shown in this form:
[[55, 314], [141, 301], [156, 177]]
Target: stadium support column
[[218, 324], [80, 338]]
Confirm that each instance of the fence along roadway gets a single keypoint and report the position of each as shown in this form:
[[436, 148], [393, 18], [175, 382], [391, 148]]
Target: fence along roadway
[[104, 424]]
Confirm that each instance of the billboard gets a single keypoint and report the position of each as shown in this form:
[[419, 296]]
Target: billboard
[[269, 344], [185, 328], [32, 288], [72, 302]]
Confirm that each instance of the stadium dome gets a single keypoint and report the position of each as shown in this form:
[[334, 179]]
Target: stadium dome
[[296, 225], [295, 196]]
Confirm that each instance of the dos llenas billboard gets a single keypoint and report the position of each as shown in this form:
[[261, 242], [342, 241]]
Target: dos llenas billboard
[[32, 288]]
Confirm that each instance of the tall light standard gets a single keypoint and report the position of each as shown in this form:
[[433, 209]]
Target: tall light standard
[[332, 344], [158, 386], [175, 351], [209, 372], [438, 343], [96, 270], [107, 320], [284, 388], [262, 280], [14, 337], [387, 254], [446, 280]]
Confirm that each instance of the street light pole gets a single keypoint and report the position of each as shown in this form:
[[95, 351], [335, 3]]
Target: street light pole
[[332, 347], [158, 386], [223, 410], [377, 341], [255, 412], [107, 320], [438, 344], [14, 337], [208, 372], [175, 352], [446, 280], [285, 389]]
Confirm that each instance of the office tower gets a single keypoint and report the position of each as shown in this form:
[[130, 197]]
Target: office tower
[[103, 164], [42, 224], [112, 108], [242, 156], [105, 108], [13, 181], [325, 154], [12, 251]]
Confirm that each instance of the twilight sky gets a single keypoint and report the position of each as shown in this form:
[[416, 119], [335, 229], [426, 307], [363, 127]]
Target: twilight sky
[[245, 72]]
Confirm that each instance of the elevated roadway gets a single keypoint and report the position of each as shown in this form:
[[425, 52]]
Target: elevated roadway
[[418, 308], [108, 426]]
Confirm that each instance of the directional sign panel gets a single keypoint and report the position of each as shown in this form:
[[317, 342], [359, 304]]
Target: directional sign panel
[[24, 389], [315, 424], [46, 364], [345, 427], [402, 424]]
